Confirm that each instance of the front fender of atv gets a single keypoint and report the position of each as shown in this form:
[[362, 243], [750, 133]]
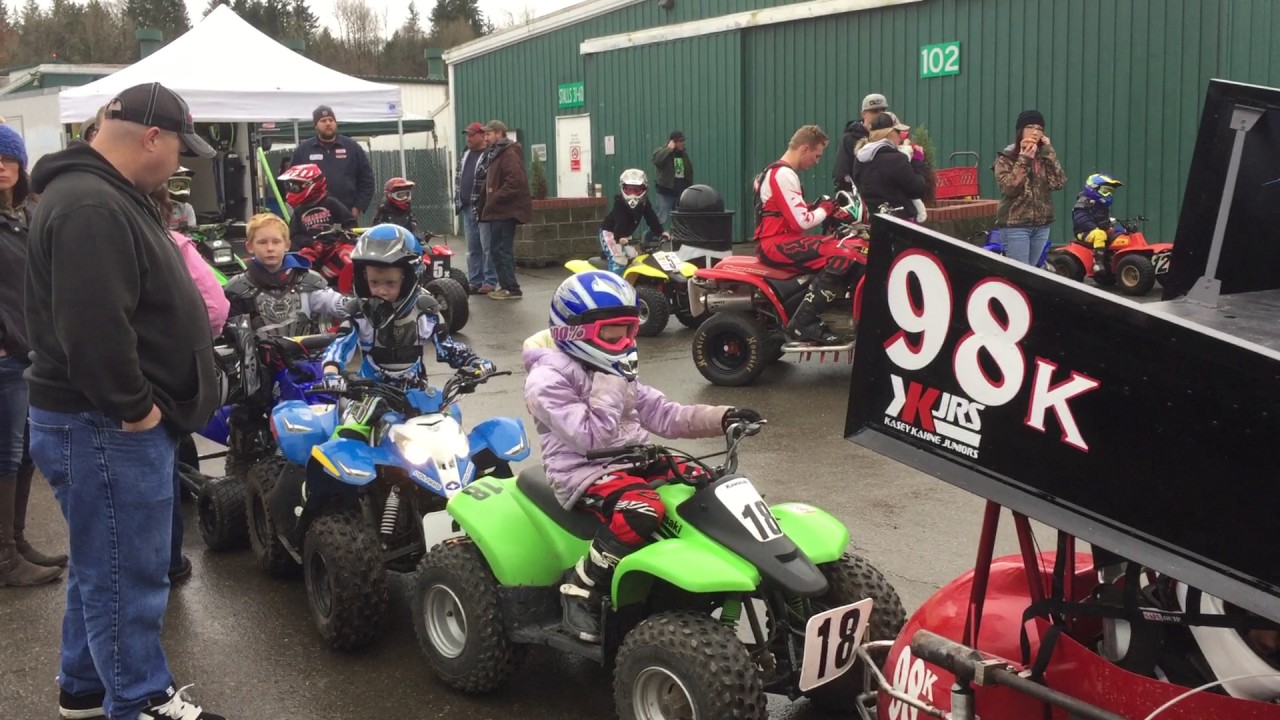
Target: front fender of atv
[[521, 545], [298, 427], [816, 532], [696, 565], [637, 270], [351, 461], [504, 436], [578, 266]]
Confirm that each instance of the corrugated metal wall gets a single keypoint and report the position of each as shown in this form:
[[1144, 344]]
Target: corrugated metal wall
[[1120, 82]]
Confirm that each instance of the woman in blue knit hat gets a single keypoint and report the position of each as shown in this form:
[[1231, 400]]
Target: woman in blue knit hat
[[20, 564]]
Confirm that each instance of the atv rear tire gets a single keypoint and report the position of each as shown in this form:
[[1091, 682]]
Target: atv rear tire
[[345, 578], [682, 664], [1066, 265], [458, 622], [731, 349], [851, 579], [453, 302], [264, 534], [655, 311], [220, 511], [1135, 275]]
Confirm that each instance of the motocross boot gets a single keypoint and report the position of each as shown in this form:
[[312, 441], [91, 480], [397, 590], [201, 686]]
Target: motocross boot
[[15, 570], [1099, 260], [21, 493], [806, 325], [586, 584]]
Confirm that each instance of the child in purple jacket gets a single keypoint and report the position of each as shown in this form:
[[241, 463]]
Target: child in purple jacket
[[583, 394]]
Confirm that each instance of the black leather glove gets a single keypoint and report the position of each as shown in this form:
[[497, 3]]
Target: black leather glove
[[739, 415]]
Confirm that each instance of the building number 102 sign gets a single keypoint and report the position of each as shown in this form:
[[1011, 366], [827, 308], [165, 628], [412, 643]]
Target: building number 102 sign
[[940, 60]]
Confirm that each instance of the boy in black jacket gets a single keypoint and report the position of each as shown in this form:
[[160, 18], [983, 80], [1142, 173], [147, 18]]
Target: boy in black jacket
[[629, 207], [397, 207], [314, 209]]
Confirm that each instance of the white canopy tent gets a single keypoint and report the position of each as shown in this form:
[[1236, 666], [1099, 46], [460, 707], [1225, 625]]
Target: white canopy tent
[[229, 71]]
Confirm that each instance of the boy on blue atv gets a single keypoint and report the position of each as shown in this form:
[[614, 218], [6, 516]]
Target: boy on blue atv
[[393, 320], [583, 393], [1091, 216]]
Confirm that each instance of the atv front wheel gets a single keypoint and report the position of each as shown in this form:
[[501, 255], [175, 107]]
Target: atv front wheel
[[655, 311], [1066, 265], [851, 579], [264, 534], [346, 581], [459, 277], [731, 349], [1136, 275], [680, 665], [453, 302], [458, 622], [220, 510]]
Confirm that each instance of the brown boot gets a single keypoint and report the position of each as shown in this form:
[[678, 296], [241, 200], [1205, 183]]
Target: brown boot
[[23, 492], [15, 571]]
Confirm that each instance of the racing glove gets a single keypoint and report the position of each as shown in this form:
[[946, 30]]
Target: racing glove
[[480, 368], [736, 415]]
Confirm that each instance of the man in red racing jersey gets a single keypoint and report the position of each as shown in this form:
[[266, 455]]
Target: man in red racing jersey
[[782, 219]]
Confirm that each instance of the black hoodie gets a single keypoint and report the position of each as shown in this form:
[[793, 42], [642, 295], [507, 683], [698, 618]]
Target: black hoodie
[[115, 321], [854, 130]]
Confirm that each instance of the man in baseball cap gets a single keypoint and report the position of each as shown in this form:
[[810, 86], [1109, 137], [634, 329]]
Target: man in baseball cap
[[154, 105], [855, 131], [121, 368], [344, 163]]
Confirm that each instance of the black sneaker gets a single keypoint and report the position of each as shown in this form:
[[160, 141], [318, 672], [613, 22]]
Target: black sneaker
[[173, 706], [179, 574], [80, 707]]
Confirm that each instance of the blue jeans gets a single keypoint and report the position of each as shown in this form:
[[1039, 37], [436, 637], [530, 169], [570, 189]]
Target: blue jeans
[[13, 415], [502, 243], [663, 204], [480, 270], [115, 489], [1025, 244], [175, 542]]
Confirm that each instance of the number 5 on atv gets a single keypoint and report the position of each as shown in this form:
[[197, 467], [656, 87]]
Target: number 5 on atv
[[737, 599]]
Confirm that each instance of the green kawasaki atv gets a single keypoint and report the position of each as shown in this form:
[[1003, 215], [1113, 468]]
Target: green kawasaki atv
[[736, 600]]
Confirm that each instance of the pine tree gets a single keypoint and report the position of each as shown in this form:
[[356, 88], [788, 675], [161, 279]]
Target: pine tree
[[167, 16], [468, 11], [213, 5]]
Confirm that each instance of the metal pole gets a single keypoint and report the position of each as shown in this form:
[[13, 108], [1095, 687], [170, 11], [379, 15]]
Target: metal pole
[[295, 133], [400, 126], [981, 572]]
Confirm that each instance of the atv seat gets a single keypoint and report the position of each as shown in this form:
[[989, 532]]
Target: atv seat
[[533, 483], [598, 262], [754, 266]]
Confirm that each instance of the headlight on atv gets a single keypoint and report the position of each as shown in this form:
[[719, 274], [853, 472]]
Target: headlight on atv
[[223, 256], [430, 437], [416, 452]]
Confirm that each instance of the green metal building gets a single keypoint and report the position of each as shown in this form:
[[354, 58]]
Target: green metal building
[[1120, 82]]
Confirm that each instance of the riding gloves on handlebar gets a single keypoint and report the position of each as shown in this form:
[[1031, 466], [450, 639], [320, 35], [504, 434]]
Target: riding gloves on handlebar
[[736, 415], [333, 381], [481, 368]]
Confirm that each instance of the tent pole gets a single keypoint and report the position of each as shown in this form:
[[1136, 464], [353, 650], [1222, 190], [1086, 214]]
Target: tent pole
[[400, 127], [295, 133]]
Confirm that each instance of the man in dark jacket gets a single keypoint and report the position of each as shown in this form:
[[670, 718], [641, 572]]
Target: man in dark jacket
[[675, 175], [855, 130], [122, 363], [343, 161], [506, 202], [884, 175], [482, 277]]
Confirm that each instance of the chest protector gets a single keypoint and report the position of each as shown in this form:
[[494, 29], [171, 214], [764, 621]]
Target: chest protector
[[397, 345]]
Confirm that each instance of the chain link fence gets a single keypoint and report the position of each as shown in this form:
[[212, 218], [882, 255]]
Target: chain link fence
[[429, 169]]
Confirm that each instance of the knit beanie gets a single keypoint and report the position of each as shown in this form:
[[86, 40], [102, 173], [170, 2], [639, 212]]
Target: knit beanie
[[11, 145], [1025, 118]]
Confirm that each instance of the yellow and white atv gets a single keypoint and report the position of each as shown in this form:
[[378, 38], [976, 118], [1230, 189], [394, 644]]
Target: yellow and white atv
[[661, 280]]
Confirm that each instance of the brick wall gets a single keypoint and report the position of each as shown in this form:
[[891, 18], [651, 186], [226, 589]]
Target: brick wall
[[562, 229], [961, 218]]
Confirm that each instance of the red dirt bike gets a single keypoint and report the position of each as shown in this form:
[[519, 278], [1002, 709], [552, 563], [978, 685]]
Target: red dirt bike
[[1133, 264], [750, 303]]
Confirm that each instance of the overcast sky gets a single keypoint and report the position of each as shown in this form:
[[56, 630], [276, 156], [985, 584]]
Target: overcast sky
[[396, 10]]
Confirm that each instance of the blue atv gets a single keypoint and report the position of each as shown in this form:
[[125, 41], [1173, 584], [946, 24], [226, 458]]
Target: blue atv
[[991, 242], [270, 369], [352, 501]]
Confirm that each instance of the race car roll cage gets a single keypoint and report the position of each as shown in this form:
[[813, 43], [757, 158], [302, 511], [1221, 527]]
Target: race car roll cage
[[1200, 369]]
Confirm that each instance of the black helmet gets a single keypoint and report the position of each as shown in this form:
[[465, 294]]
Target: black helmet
[[388, 245], [700, 199]]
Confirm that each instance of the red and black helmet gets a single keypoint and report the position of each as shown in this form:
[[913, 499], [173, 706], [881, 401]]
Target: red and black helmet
[[399, 192], [303, 184]]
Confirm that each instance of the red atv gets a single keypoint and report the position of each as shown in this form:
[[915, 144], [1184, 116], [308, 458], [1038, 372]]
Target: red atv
[[447, 284], [751, 303], [1132, 263]]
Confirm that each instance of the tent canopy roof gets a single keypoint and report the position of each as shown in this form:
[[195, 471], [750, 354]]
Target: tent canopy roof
[[229, 71]]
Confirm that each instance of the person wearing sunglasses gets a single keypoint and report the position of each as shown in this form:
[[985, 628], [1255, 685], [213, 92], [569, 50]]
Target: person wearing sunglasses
[[397, 208], [582, 391]]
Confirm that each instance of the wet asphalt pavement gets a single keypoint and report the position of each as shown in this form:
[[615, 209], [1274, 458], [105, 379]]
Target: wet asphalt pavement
[[247, 643]]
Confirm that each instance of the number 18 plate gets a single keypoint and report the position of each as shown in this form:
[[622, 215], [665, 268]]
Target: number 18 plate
[[829, 641]]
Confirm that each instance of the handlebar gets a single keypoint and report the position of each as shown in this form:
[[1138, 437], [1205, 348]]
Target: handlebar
[[649, 454], [396, 397]]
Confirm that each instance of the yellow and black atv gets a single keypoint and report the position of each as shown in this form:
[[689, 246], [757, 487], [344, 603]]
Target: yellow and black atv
[[661, 280]]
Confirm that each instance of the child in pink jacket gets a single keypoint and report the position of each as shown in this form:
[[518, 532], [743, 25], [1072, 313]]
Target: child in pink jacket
[[215, 301], [583, 393]]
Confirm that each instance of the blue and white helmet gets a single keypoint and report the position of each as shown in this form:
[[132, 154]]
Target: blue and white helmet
[[582, 307]]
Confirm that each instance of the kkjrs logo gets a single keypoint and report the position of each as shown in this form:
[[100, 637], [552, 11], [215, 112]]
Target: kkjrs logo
[[944, 419]]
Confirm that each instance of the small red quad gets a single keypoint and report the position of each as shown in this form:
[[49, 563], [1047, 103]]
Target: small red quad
[[1133, 264]]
